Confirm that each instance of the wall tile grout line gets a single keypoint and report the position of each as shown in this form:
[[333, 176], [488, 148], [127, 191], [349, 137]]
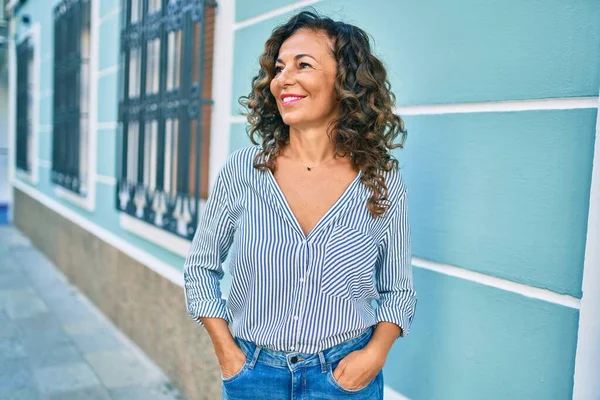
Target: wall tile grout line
[[486, 107], [499, 283]]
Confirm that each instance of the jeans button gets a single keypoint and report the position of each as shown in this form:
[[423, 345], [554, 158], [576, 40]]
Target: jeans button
[[294, 360]]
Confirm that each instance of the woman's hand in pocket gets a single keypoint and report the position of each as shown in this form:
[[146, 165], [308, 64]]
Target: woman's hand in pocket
[[358, 369], [232, 362]]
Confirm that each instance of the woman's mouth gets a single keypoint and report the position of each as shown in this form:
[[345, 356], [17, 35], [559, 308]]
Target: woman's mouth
[[289, 100]]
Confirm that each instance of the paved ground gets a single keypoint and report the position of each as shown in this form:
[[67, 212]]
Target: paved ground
[[55, 345]]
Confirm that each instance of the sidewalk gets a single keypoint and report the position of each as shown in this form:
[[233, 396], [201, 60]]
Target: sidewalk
[[55, 345]]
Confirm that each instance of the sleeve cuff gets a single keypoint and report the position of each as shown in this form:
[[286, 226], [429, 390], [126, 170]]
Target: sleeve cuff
[[399, 317], [208, 309]]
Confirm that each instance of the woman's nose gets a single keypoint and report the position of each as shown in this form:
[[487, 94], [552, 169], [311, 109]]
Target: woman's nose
[[286, 78]]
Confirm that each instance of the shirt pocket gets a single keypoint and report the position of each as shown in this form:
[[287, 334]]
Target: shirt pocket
[[349, 265]]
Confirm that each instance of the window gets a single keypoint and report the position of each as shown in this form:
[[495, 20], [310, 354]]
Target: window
[[70, 140], [164, 111], [25, 106]]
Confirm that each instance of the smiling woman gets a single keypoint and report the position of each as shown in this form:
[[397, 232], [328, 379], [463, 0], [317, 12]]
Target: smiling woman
[[317, 211]]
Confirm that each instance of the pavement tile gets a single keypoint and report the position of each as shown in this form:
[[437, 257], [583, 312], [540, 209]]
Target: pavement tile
[[97, 341], [10, 349], [11, 295], [8, 262], [25, 308], [41, 340], [13, 280], [59, 296], [89, 393], [56, 355], [149, 392], [30, 258], [24, 393], [65, 378], [41, 322], [8, 329], [74, 312], [82, 327], [118, 369], [14, 375]]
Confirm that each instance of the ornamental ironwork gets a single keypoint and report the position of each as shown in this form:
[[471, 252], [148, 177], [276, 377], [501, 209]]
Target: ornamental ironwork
[[164, 111]]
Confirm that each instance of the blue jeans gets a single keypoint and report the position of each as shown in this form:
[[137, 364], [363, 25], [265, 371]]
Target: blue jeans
[[280, 375]]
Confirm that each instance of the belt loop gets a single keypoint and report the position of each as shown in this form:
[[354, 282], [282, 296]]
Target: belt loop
[[254, 357], [323, 362]]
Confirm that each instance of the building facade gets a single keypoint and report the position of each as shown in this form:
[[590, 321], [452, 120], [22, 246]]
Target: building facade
[[121, 112]]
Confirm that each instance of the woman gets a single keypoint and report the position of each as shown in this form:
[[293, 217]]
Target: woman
[[316, 220]]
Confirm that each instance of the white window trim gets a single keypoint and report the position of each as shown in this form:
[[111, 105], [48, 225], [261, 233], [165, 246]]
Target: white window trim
[[88, 202], [167, 240], [222, 88], [32, 176], [151, 233], [219, 136]]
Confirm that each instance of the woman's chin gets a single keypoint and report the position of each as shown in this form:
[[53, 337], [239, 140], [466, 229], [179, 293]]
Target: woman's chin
[[291, 120]]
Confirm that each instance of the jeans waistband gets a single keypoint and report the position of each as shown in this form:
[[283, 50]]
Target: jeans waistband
[[256, 353]]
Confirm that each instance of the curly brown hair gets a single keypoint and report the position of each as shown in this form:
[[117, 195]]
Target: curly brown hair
[[366, 128]]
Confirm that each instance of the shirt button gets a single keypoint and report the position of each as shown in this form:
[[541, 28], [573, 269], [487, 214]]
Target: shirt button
[[301, 280], [295, 318], [292, 348]]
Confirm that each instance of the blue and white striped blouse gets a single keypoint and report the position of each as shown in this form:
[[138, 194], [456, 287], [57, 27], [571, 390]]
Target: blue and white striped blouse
[[293, 292]]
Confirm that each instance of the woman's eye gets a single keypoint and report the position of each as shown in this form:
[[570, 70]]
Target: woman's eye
[[278, 69], [304, 65]]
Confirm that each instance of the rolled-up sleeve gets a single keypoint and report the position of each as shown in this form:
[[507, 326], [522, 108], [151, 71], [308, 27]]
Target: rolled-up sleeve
[[202, 270], [398, 298]]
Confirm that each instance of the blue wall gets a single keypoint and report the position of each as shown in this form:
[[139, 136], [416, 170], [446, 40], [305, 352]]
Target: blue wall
[[505, 194]]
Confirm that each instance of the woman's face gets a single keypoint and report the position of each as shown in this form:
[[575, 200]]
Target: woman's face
[[304, 80]]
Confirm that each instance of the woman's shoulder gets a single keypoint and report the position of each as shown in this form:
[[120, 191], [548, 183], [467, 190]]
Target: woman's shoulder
[[244, 155], [396, 186], [240, 162]]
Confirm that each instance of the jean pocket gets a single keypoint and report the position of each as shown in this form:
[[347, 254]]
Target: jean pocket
[[236, 375], [342, 389], [349, 265]]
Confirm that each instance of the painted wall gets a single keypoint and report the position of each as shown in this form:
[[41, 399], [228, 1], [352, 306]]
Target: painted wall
[[499, 186]]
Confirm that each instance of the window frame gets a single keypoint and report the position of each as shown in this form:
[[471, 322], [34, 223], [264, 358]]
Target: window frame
[[31, 176], [86, 201], [173, 241]]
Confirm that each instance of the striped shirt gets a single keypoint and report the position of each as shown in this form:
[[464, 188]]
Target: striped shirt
[[291, 291]]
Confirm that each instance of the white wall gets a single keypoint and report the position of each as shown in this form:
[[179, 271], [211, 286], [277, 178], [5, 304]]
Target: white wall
[[4, 187]]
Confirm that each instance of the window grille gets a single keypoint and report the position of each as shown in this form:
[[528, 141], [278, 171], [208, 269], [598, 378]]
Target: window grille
[[164, 111], [24, 123], [71, 95]]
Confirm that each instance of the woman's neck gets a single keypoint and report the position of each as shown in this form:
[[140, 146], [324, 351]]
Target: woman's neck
[[310, 146]]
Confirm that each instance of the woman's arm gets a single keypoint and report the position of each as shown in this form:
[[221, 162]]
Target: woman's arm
[[203, 271], [231, 357], [398, 298], [396, 305]]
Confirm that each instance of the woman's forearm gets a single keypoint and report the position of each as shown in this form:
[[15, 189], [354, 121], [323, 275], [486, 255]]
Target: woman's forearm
[[383, 338], [220, 336]]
